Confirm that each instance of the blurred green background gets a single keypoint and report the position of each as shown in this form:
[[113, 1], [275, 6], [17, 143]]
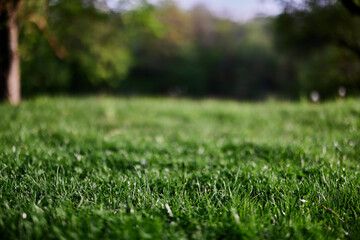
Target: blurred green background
[[87, 47]]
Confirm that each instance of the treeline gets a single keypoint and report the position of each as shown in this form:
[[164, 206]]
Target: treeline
[[83, 46]]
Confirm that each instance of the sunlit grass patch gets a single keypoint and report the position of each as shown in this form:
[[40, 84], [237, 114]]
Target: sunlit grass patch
[[117, 168]]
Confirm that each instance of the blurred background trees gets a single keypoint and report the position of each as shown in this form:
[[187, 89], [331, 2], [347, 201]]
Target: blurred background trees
[[325, 38], [86, 46]]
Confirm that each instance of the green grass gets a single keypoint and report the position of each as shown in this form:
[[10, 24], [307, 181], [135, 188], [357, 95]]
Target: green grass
[[109, 168]]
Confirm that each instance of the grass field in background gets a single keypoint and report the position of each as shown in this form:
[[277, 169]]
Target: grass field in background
[[147, 168]]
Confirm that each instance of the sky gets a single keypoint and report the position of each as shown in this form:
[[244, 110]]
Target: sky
[[238, 10]]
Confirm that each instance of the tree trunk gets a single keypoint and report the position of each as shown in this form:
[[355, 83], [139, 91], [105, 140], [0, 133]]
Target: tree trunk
[[13, 80], [9, 56]]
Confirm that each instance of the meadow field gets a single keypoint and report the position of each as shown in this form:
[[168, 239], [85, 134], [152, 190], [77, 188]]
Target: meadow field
[[162, 168]]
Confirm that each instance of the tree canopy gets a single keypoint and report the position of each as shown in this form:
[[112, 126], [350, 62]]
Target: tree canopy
[[86, 46]]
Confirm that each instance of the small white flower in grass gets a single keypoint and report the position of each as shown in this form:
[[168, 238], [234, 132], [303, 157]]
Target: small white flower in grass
[[143, 161], [236, 215], [24, 215], [315, 96], [159, 139], [169, 210], [342, 92], [303, 200], [78, 156], [201, 151]]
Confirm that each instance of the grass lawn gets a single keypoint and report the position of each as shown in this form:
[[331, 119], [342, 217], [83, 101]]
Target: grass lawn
[[139, 168]]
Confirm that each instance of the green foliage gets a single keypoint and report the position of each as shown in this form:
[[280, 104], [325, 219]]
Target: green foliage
[[321, 39], [147, 49], [326, 70], [144, 168], [98, 54]]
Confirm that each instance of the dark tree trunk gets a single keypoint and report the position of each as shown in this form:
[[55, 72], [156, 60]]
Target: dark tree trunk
[[9, 53]]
